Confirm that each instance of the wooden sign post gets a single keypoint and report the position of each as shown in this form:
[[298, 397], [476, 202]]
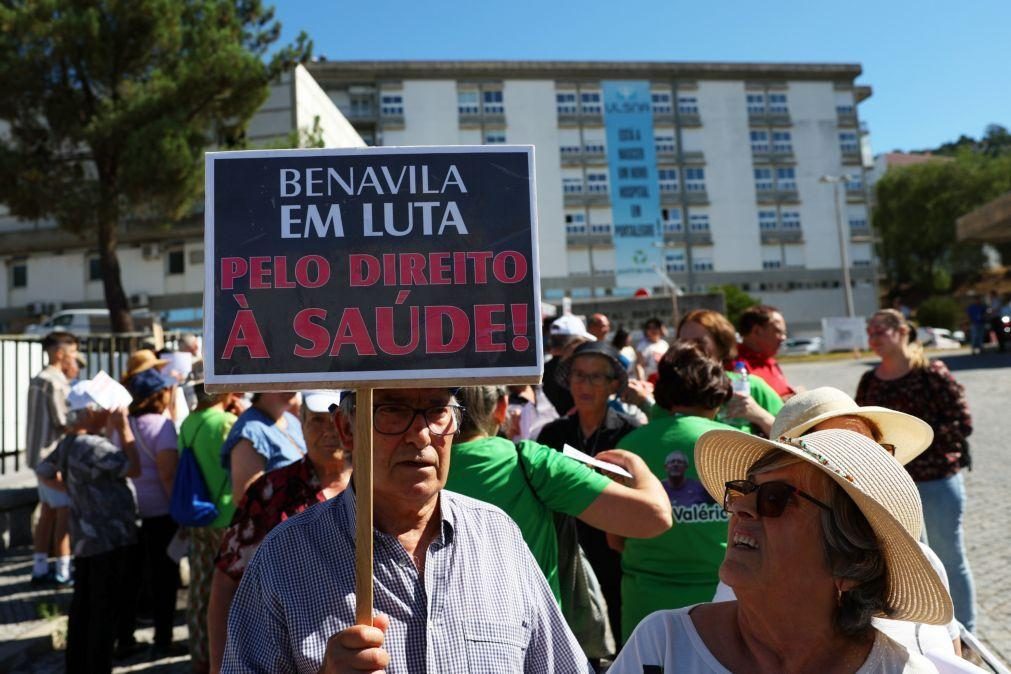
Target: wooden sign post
[[369, 269], [362, 476]]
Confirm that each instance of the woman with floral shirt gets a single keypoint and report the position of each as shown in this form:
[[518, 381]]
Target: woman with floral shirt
[[907, 381]]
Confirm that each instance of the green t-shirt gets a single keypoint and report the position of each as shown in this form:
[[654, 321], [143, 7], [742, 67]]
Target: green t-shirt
[[678, 567], [763, 394], [487, 469], [205, 430]]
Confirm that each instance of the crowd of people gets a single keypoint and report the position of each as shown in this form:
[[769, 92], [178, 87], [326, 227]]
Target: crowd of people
[[738, 523]]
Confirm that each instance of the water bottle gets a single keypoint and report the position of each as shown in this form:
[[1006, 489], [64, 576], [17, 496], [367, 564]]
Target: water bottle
[[741, 384]]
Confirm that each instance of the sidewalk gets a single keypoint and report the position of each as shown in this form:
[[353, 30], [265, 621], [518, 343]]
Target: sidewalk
[[32, 643]]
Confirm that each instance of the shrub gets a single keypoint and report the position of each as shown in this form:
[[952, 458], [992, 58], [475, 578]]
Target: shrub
[[939, 312]]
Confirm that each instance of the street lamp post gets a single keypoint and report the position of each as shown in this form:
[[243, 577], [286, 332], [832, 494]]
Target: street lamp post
[[843, 248]]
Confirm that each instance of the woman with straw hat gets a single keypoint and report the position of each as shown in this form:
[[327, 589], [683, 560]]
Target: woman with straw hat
[[904, 437], [906, 380], [819, 543]]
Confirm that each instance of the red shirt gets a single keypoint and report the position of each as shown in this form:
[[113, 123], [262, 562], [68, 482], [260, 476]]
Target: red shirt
[[765, 367]]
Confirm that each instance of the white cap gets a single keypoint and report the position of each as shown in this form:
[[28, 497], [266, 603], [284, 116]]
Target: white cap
[[320, 401], [570, 324]]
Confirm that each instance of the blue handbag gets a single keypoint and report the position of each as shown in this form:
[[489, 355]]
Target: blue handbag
[[191, 504]]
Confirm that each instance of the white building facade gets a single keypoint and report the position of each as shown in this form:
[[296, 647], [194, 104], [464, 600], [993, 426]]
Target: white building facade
[[739, 151]]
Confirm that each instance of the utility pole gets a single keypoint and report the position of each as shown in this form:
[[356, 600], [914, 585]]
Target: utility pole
[[843, 248]]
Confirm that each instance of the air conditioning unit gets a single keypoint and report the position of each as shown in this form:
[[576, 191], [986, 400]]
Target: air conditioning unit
[[150, 251], [140, 300]]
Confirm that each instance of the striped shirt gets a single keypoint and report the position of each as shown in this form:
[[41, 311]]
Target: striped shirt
[[483, 605], [47, 413]]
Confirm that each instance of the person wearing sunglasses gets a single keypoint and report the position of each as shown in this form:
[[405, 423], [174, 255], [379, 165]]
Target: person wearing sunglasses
[[823, 537], [904, 437], [455, 586]]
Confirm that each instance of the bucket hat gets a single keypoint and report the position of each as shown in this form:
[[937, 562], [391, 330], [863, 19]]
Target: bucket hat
[[879, 486], [142, 359], [806, 410], [593, 349]]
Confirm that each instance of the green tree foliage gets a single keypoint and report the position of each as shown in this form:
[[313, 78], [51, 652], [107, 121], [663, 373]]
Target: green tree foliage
[[737, 301], [939, 312], [111, 104], [917, 207]]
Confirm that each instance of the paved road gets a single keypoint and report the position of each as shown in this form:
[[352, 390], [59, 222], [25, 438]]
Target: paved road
[[987, 380]]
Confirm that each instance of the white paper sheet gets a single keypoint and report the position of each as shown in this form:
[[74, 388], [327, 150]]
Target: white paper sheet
[[573, 453]]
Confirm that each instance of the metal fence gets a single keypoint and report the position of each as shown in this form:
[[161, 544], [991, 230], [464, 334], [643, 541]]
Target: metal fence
[[21, 358]]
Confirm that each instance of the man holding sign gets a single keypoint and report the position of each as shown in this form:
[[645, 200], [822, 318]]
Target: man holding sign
[[455, 585]]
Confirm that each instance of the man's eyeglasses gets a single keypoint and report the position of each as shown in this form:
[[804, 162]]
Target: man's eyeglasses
[[394, 418], [772, 496], [595, 379]]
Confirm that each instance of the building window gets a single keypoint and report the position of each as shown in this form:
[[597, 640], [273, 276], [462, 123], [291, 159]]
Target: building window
[[671, 220], [664, 144], [844, 110], [495, 138], [594, 147], [695, 180], [566, 102], [702, 264], [858, 223], [688, 105], [572, 185], [590, 102], [756, 104], [361, 106], [791, 220], [662, 103], [698, 222], [848, 142], [467, 102], [596, 183], [782, 142], [855, 184], [391, 105], [763, 179], [575, 223], [777, 104], [493, 102], [668, 178], [674, 261], [19, 275], [759, 142], [176, 262], [604, 228], [94, 269], [767, 221], [861, 263], [786, 179], [771, 264], [569, 150]]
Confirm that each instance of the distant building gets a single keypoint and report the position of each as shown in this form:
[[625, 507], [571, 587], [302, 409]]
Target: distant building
[[47, 268], [731, 154]]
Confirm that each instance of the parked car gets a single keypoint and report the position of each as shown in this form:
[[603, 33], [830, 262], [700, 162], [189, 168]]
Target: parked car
[[801, 346], [1001, 326], [89, 322], [937, 338]]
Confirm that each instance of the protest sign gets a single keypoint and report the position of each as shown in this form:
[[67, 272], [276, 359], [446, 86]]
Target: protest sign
[[378, 267]]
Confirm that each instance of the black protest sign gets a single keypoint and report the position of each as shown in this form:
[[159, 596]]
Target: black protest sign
[[371, 267]]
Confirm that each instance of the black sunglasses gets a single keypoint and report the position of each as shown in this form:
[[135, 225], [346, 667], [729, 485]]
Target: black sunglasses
[[772, 496]]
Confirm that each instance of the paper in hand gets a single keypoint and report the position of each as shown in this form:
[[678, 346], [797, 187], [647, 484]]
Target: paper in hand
[[573, 453]]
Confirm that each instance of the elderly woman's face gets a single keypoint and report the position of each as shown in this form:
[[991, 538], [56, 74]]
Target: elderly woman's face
[[763, 552]]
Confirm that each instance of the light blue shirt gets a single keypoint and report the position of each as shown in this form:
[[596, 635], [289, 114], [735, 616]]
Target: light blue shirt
[[277, 447], [483, 605]]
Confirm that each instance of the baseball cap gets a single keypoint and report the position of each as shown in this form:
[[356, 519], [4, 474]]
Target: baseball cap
[[570, 325], [321, 400]]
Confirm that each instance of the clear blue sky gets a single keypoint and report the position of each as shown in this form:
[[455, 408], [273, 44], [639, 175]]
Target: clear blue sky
[[938, 68]]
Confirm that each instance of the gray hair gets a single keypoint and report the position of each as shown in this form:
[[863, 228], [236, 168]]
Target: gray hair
[[480, 402], [851, 551]]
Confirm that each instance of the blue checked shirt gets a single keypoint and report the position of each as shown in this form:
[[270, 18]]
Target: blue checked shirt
[[482, 606]]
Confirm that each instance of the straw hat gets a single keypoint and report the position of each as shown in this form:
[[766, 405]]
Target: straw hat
[[806, 410], [142, 359], [878, 485]]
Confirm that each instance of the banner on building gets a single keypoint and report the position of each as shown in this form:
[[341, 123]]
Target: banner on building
[[635, 199], [371, 267]]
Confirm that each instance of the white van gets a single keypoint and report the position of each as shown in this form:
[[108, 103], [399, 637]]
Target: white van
[[89, 322]]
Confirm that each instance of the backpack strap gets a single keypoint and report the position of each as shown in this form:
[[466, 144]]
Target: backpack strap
[[188, 445]]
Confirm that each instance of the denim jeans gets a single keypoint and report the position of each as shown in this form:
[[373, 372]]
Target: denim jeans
[[943, 507]]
